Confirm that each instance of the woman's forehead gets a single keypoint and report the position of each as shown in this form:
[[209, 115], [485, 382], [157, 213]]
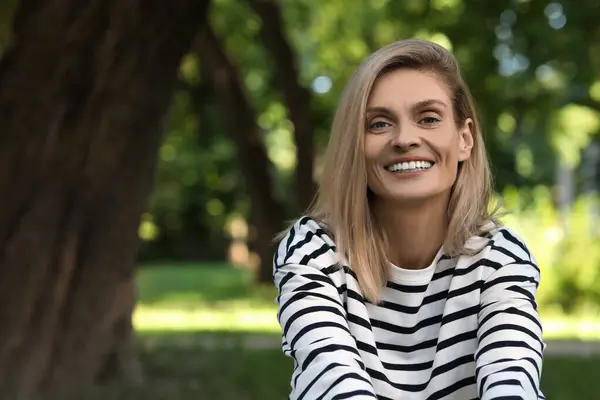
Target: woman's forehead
[[408, 87]]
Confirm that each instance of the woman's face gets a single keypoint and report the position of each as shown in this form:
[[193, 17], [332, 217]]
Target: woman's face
[[412, 143]]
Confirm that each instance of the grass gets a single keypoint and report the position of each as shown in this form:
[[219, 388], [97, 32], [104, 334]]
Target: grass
[[192, 322], [189, 285], [207, 298], [179, 367], [188, 297]]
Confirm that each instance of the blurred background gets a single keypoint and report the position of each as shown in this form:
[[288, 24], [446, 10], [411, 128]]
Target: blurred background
[[152, 151]]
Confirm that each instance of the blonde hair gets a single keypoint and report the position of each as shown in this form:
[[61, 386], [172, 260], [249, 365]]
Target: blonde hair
[[342, 202]]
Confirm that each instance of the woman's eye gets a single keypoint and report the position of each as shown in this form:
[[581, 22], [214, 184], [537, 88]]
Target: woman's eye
[[430, 120], [379, 125]]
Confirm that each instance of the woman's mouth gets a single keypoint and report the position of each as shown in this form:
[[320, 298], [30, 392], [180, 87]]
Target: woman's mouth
[[410, 166]]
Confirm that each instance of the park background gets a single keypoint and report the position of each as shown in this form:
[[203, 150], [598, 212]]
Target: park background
[[151, 150]]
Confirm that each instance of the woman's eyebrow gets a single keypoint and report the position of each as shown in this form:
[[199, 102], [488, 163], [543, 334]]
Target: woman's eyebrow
[[429, 102], [379, 110], [418, 105]]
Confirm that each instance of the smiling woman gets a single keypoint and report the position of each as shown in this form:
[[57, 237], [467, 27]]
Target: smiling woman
[[409, 120], [403, 130], [400, 282]]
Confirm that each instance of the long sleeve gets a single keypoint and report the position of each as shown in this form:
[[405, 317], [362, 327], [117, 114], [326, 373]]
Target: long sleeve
[[315, 331], [510, 352]]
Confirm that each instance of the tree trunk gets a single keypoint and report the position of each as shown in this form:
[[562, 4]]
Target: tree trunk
[[295, 97], [83, 90], [237, 111]]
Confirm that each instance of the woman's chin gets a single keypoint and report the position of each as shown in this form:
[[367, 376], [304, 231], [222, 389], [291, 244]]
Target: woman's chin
[[416, 195]]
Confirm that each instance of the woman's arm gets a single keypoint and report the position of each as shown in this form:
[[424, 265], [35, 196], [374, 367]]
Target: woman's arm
[[510, 353], [327, 364]]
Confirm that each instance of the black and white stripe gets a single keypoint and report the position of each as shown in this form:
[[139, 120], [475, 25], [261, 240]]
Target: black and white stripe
[[465, 328]]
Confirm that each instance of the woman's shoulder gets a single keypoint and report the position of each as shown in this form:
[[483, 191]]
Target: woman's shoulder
[[508, 242], [307, 241], [501, 247]]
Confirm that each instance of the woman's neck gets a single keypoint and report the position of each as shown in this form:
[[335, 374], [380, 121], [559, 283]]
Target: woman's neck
[[415, 232]]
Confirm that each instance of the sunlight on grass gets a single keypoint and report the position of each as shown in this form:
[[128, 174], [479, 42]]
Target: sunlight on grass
[[571, 328], [235, 318], [216, 297], [255, 320]]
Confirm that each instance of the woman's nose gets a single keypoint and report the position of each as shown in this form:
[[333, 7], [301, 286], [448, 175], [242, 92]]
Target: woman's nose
[[406, 137]]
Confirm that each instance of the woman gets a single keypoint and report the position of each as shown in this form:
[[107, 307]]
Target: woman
[[400, 283]]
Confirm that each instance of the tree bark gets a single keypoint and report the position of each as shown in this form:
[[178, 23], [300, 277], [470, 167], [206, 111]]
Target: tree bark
[[83, 91], [237, 111], [295, 97]]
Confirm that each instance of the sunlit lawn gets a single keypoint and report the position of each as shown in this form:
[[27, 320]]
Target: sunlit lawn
[[211, 297], [215, 297], [207, 332]]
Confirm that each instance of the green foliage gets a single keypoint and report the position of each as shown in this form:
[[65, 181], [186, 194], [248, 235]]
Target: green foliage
[[573, 127], [198, 186], [577, 266], [566, 247]]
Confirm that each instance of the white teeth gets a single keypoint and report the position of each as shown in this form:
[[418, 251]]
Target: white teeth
[[410, 166]]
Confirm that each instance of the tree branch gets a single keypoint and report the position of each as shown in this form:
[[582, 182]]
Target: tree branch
[[220, 72], [295, 97]]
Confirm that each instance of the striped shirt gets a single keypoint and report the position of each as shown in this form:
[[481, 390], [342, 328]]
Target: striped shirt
[[464, 328]]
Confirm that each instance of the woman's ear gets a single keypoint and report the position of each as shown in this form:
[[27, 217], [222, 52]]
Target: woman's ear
[[465, 140]]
